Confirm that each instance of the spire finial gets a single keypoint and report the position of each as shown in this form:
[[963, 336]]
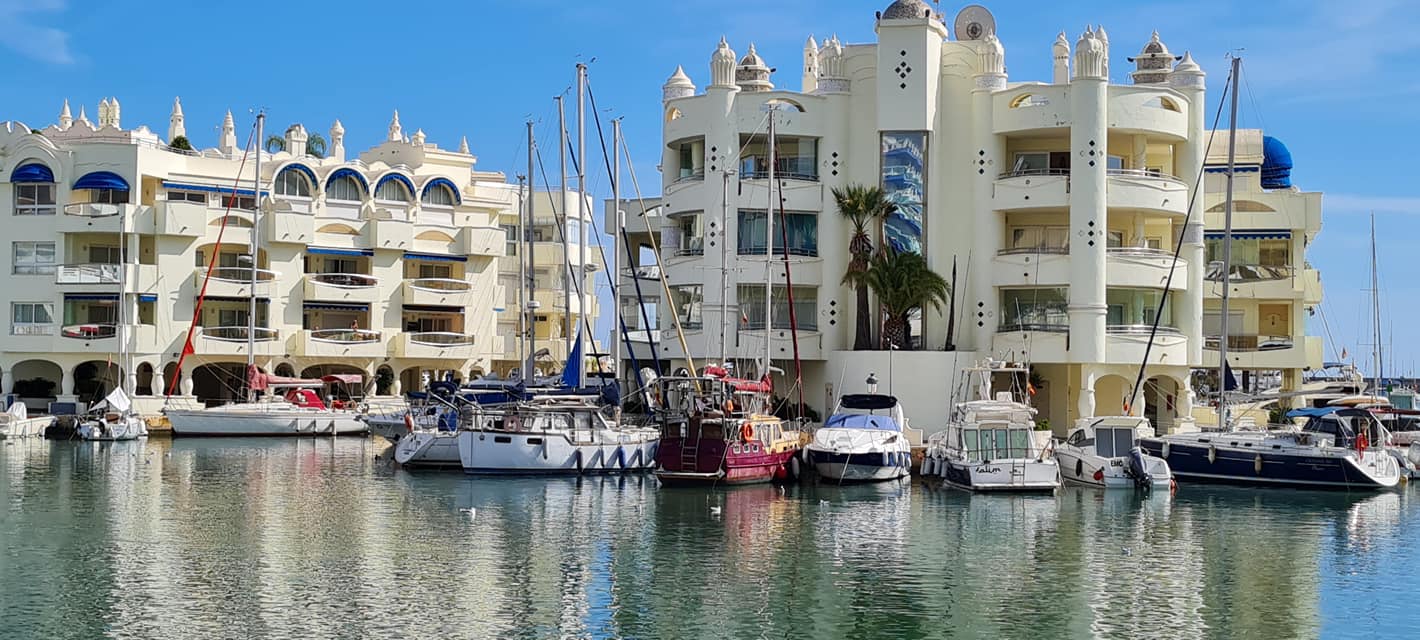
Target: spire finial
[[396, 131], [463, 145]]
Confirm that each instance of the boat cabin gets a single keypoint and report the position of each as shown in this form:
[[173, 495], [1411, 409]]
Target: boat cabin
[[1112, 437], [1339, 427]]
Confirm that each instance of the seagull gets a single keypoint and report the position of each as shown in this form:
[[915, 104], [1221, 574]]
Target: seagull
[[1127, 551], [471, 511]]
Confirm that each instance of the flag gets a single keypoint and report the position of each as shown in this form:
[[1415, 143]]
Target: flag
[[744, 319], [1230, 381], [1343, 353], [1030, 389]]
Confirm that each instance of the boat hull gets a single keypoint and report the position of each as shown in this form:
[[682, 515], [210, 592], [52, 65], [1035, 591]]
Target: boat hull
[[860, 467], [715, 463], [216, 422], [554, 453], [1079, 467], [1028, 476], [1192, 461], [28, 427], [428, 449]]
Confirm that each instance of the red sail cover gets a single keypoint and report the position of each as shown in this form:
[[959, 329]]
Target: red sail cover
[[740, 384], [260, 381]]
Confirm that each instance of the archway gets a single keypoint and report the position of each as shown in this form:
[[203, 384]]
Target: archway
[[384, 381], [170, 380], [285, 370], [35, 380], [1161, 402], [144, 385], [95, 379], [219, 382], [1111, 395]]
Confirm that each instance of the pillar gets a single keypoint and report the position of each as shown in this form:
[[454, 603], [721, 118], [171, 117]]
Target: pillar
[[160, 386], [1087, 394], [186, 385], [988, 228], [1089, 100], [1188, 79]]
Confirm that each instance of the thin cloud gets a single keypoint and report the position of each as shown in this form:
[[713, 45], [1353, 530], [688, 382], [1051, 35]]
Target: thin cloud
[[19, 32]]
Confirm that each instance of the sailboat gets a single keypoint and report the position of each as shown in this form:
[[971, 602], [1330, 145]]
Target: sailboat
[[275, 405], [1332, 450], [118, 421]]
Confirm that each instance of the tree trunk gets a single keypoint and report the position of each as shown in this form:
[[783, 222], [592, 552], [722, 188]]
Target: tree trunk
[[895, 333], [863, 338]]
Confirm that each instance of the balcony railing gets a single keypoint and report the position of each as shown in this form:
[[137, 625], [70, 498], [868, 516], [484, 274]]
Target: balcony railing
[[1248, 272], [804, 324], [440, 284], [1250, 343], [239, 334], [89, 331], [1139, 252], [1043, 249], [1142, 173], [690, 251], [32, 330], [239, 275], [92, 209], [645, 273], [345, 280], [1034, 172], [97, 273], [440, 338], [345, 336], [1046, 327], [693, 176], [782, 175], [755, 249], [1140, 330]]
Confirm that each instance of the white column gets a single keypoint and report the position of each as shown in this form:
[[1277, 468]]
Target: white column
[[160, 386], [66, 382], [1087, 394], [1189, 79], [1088, 220], [7, 378], [982, 316]]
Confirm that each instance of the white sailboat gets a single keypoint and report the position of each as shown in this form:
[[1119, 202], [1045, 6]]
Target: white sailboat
[[119, 421], [297, 410]]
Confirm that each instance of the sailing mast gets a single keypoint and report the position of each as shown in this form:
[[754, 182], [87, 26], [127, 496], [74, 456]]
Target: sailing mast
[[122, 334], [1227, 253], [618, 331], [254, 246], [524, 248], [583, 241], [769, 255], [566, 242], [1375, 313]]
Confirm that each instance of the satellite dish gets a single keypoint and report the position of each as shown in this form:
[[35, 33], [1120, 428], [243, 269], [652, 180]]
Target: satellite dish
[[974, 23]]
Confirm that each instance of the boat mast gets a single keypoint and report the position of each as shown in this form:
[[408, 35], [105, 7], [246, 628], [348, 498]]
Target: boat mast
[[616, 257], [525, 256], [566, 242], [122, 334], [769, 255], [583, 240], [1375, 312], [724, 265], [1227, 252], [253, 247]]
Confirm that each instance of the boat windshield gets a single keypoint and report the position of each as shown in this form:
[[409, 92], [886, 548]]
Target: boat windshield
[[1113, 442], [986, 443]]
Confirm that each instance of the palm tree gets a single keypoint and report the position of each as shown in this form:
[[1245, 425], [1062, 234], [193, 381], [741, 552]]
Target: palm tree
[[315, 145], [904, 284], [865, 207]]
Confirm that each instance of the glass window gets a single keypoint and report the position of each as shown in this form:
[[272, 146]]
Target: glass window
[[108, 196], [292, 182], [795, 158], [692, 234], [1044, 309], [1116, 239], [1031, 162], [969, 441], [239, 202], [1133, 307], [1123, 441], [688, 300], [687, 160], [1020, 443], [1116, 163], [1044, 238], [345, 188], [187, 196], [99, 254], [802, 229], [34, 199], [751, 303], [510, 233], [904, 181], [33, 258], [393, 190], [435, 271], [32, 318], [439, 196]]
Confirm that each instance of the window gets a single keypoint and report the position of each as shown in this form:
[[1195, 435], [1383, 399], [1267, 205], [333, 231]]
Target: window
[[688, 300], [692, 234], [1116, 163], [104, 255], [341, 265], [291, 182], [187, 196], [429, 324], [687, 161], [751, 302], [1137, 307], [34, 199], [510, 234], [439, 195], [244, 203], [435, 271], [1045, 239], [1041, 162], [345, 188], [795, 158], [32, 318], [231, 317], [1115, 240], [33, 258], [904, 182], [1045, 309], [393, 190], [108, 196], [802, 229]]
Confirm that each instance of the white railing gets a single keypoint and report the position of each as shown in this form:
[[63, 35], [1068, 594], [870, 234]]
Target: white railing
[[239, 334], [239, 275], [92, 209], [32, 330], [440, 338], [345, 336], [344, 280], [94, 273], [89, 331], [440, 284]]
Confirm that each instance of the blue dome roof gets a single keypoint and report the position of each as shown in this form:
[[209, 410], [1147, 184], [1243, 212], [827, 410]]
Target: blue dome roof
[[1276, 164]]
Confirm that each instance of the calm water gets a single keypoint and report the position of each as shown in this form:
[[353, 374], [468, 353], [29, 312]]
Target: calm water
[[320, 539]]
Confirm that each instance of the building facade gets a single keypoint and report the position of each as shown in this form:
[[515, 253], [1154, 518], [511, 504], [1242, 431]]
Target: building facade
[[386, 263], [1055, 206]]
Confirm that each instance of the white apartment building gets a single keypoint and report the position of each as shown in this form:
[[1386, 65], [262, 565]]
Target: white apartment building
[[1059, 201], [385, 264]]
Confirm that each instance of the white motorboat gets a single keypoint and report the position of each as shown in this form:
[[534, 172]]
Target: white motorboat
[[118, 422], [1104, 452], [990, 444], [16, 422], [863, 440], [553, 436]]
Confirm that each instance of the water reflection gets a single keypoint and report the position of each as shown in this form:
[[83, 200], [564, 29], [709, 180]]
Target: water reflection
[[319, 538]]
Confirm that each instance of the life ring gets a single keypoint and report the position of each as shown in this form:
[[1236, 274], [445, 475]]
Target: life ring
[[1212, 454], [408, 423], [746, 431]]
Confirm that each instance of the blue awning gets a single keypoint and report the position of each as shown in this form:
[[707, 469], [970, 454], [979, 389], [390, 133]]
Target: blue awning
[[1242, 168], [429, 308], [1312, 412], [32, 172], [303, 169], [102, 180], [458, 198], [1255, 234], [408, 184], [235, 299], [436, 257], [347, 171], [184, 186], [81, 297], [336, 306], [147, 297], [333, 251]]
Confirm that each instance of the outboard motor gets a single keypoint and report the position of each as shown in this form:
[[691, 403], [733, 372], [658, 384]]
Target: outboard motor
[[1138, 471]]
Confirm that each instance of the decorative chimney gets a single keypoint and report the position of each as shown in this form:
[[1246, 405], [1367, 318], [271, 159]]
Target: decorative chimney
[[1061, 51], [831, 79], [176, 128], [337, 142], [753, 74], [66, 120], [463, 145], [722, 66], [1090, 57], [396, 131], [993, 64], [227, 142], [296, 139], [1153, 64], [677, 86], [810, 83]]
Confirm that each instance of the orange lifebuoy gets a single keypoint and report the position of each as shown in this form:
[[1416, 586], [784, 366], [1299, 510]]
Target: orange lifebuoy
[[746, 431]]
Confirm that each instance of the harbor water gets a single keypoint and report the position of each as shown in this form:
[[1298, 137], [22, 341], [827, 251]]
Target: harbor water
[[326, 538]]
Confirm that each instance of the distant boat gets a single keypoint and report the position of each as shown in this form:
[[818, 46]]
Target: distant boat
[[864, 439], [118, 422], [16, 422]]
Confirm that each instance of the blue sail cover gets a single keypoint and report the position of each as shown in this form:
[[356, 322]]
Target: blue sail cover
[[572, 372], [858, 421]]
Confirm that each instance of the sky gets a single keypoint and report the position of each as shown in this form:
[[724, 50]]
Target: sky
[[1336, 81]]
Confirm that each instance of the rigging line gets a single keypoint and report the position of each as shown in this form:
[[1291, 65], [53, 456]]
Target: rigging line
[[1253, 100], [187, 348], [581, 251], [562, 231], [1178, 249]]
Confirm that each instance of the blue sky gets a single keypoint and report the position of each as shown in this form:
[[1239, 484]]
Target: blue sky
[[1336, 81]]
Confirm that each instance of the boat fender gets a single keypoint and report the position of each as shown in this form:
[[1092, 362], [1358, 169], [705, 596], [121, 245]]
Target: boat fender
[[1212, 453], [621, 457], [794, 468], [1257, 464], [1079, 468], [578, 457], [926, 466], [1166, 450], [408, 423]]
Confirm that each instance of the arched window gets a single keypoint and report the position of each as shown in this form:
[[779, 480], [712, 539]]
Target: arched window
[[395, 188], [346, 188], [293, 182], [34, 190], [439, 195]]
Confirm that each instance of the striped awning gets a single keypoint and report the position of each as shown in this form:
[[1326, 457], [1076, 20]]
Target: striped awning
[[84, 297], [429, 308], [436, 257], [234, 299], [209, 188], [1252, 234], [336, 306], [147, 297], [334, 251]]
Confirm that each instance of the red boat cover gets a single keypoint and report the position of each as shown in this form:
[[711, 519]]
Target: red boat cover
[[260, 381], [740, 384], [306, 398]]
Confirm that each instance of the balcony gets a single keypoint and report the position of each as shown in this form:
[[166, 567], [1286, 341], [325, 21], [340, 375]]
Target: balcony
[[233, 341], [434, 344], [1144, 190], [389, 234], [1126, 344], [94, 217], [1031, 266], [83, 338], [89, 331], [437, 291], [235, 282], [354, 343], [181, 218], [93, 209], [483, 241], [1149, 110], [1266, 352], [1142, 267], [1028, 189], [1042, 342], [89, 273], [285, 224], [343, 287], [1033, 109]]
